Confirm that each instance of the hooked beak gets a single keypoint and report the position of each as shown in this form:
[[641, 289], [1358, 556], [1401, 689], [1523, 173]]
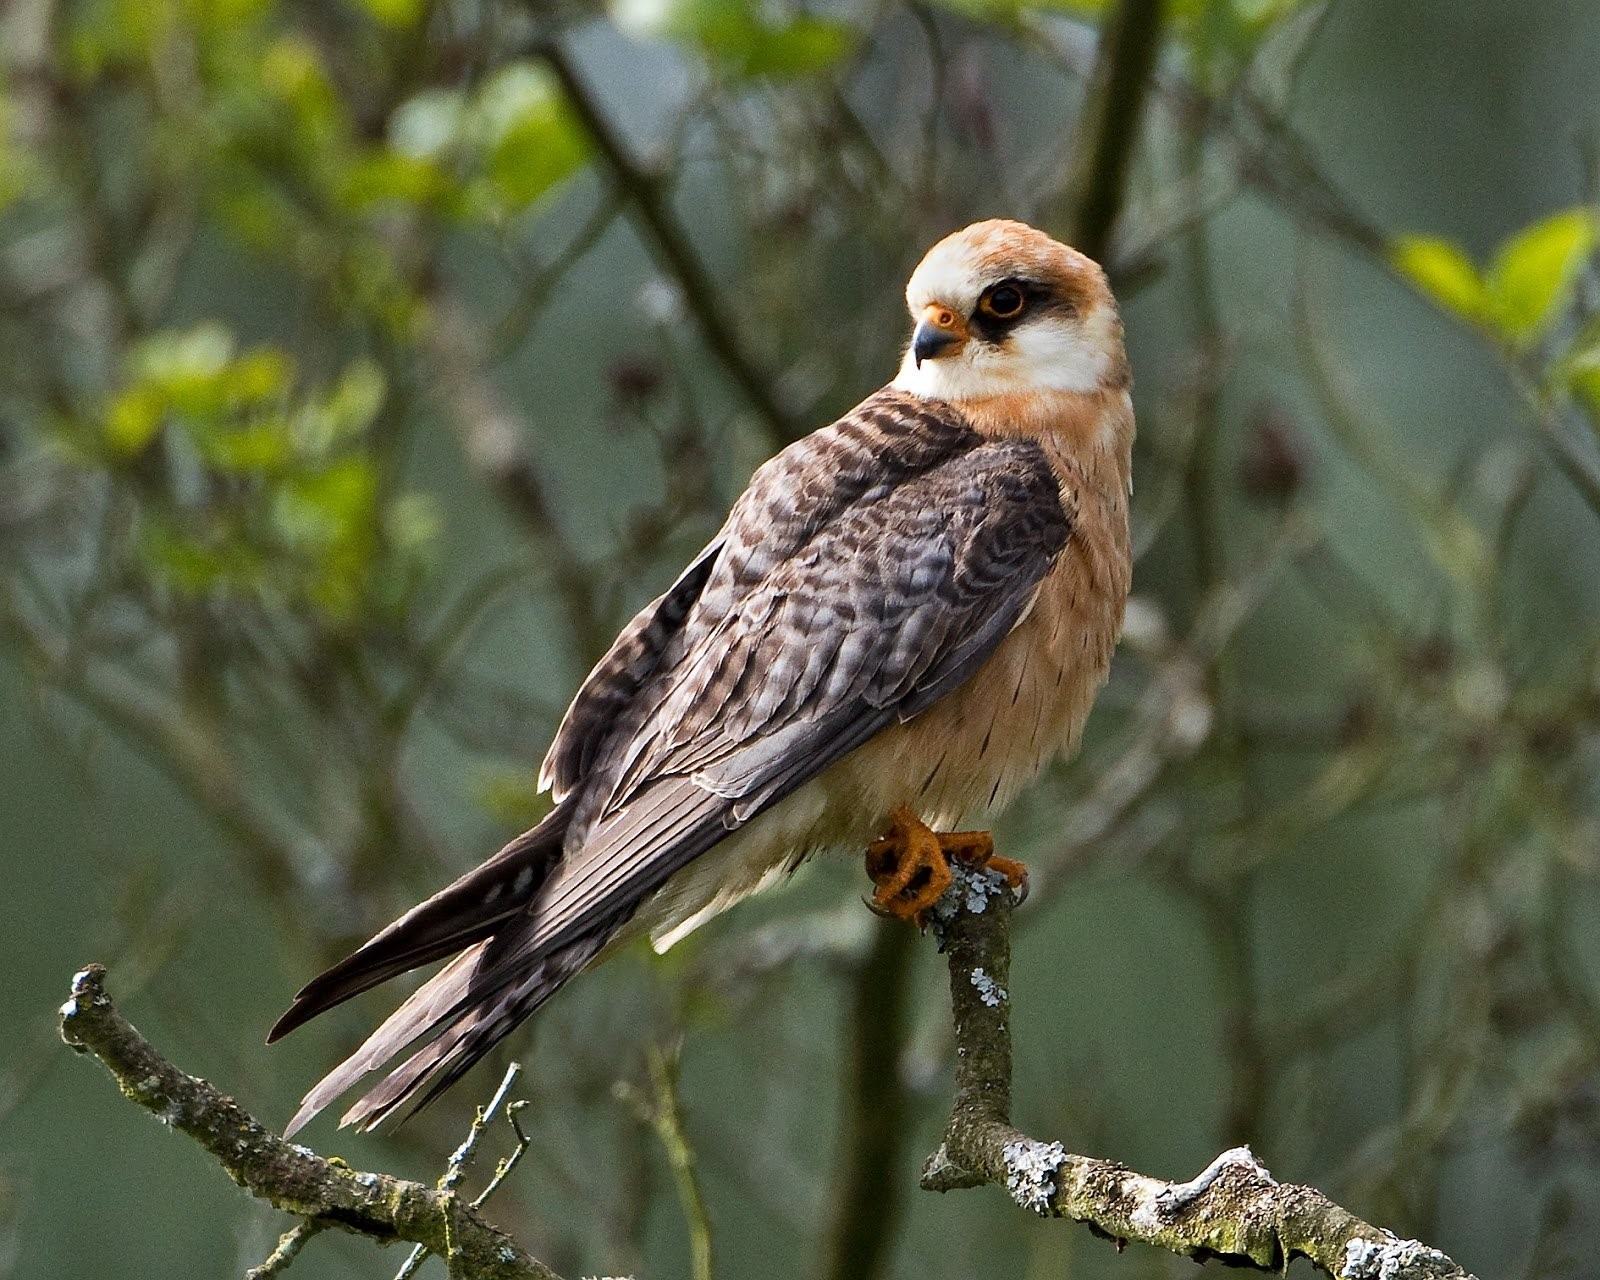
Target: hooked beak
[[939, 332]]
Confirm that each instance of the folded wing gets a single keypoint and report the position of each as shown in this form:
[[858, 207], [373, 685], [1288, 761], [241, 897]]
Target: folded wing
[[868, 570]]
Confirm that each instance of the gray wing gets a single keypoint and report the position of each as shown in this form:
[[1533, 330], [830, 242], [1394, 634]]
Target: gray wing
[[875, 616], [887, 439], [867, 571], [607, 691]]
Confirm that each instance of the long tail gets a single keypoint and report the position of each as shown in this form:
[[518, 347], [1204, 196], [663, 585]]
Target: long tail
[[471, 1004]]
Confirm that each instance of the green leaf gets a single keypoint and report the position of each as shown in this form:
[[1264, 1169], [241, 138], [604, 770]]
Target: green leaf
[[105, 33], [133, 420], [798, 48], [413, 522], [985, 10], [398, 14], [745, 40], [258, 377], [221, 17], [193, 373], [1533, 273], [382, 175], [536, 154], [687, 20], [1586, 388], [181, 372], [261, 447], [538, 146], [531, 139], [330, 505], [220, 559], [190, 355], [429, 124], [19, 173], [1008, 11], [353, 404], [291, 70], [1442, 271], [1578, 371]]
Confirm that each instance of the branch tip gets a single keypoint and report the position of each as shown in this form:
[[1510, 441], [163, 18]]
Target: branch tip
[[1233, 1210], [322, 1192]]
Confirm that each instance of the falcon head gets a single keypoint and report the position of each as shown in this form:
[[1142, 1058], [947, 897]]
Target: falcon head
[[1000, 308]]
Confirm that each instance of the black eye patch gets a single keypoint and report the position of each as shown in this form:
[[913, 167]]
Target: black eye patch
[[1001, 307]]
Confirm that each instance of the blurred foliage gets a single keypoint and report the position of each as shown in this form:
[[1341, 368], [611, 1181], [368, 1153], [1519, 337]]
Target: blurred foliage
[[284, 506], [740, 39], [1523, 291], [363, 366]]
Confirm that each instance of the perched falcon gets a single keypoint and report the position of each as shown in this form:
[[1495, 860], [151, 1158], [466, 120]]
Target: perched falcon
[[906, 616]]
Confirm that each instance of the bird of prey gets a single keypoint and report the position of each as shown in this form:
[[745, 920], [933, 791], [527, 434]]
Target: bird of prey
[[906, 616]]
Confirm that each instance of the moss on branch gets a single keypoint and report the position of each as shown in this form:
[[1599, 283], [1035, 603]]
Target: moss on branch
[[286, 1175], [1234, 1211]]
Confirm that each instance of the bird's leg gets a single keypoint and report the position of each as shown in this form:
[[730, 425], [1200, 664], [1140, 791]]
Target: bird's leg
[[911, 864], [909, 867]]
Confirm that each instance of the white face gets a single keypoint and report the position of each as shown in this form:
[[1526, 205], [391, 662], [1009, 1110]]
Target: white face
[[1047, 348]]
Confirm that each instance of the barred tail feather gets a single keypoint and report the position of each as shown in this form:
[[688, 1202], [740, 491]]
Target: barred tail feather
[[456, 1017], [458, 916], [493, 1015]]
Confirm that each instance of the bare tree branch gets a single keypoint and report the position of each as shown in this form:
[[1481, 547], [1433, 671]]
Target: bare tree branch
[[649, 199], [870, 1199], [1110, 128], [1234, 1211], [286, 1175]]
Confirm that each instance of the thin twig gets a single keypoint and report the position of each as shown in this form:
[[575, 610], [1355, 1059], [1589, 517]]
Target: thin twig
[[284, 1174], [288, 1249], [507, 1163], [648, 197], [668, 1119], [460, 1161], [661, 1111]]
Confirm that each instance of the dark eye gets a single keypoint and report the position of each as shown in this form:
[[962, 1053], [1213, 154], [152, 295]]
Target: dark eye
[[1003, 302]]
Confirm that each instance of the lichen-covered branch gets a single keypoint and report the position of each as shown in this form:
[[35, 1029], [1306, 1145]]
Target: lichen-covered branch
[[286, 1175], [1234, 1211]]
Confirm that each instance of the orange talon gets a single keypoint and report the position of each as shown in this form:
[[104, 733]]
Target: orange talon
[[975, 848], [1016, 874], [911, 865], [908, 866]]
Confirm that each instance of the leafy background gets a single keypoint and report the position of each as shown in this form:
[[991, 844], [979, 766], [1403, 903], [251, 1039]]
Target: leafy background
[[363, 365]]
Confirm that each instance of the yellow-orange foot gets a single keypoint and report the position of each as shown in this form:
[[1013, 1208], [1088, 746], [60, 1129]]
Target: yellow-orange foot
[[911, 865]]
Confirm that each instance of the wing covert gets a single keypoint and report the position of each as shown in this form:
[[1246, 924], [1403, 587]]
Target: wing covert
[[875, 616], [890, 437], [617, 678]]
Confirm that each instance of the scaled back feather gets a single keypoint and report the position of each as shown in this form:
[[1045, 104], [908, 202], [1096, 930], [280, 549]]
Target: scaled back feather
[[862, 575]]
